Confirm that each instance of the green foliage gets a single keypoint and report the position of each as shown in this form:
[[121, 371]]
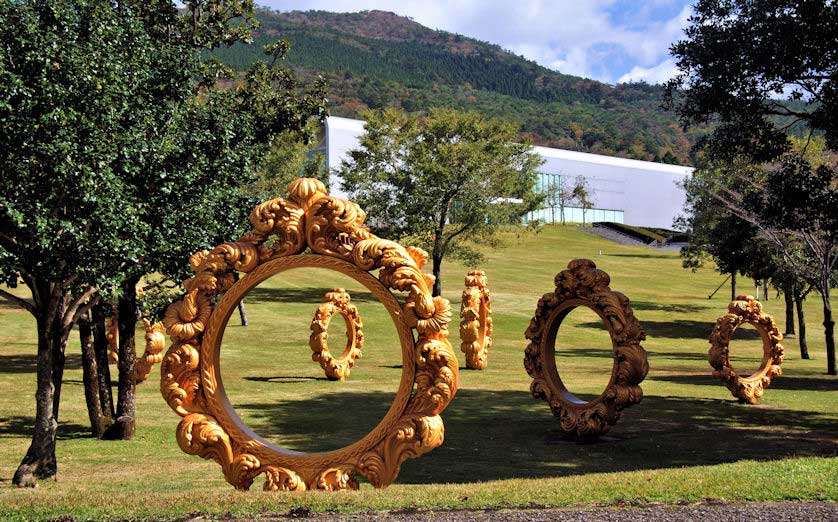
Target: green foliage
[[289, 157], [74, 118], [738, 61], [441, 178], [376, 60]]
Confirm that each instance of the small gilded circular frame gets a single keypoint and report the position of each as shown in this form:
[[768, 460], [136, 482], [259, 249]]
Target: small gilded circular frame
[[582, 284], [337, 301], [332, 229], [476, 321], [746, 309], [155, 343]]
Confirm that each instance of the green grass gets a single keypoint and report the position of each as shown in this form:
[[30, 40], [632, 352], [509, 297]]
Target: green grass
[[687, 441]]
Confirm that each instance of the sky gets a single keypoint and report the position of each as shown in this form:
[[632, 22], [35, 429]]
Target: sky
[[607, 40]]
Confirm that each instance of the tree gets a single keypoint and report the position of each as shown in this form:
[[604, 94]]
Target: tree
[[582, 195], [441, 178], [757, 70], [737, 62], [61, 200], [117, 163], [558, 194]]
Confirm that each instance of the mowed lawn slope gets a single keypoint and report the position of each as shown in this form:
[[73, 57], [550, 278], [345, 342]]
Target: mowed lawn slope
[[688, 440]]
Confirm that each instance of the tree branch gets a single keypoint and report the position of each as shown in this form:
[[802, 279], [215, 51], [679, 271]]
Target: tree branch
[[23, 303], [70, 315], [82, 310], [448, 238]]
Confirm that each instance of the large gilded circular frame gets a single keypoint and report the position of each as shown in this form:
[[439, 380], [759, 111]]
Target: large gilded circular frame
[[582, 284], [332, 229], [476, 321], [746, 309], [337, 301]]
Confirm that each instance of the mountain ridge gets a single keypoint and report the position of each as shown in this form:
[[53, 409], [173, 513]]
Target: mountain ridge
[[373, 59]]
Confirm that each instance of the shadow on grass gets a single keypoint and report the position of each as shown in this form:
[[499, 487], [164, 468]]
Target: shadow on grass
[[285, 379], [28, 363], [680, 308], [20, 426], [7, 304], [300, 295], [491, 435], [680, 329], [644, 256], [778, 383], [683, 356]]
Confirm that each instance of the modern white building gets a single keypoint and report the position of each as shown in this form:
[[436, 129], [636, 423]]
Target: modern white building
[[633, 192]]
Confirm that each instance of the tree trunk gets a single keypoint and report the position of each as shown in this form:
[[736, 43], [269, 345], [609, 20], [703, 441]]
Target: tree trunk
[[828, 329], [765, 289], [90, 378], [40, 461], [103, 370], [58, 358], [733, 286], [801, 326], [437, 268], [788, 294], [127, 310], [242, 312]]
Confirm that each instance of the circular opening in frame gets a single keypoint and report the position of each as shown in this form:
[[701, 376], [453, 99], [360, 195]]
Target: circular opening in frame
[[583, 354], [745, 351], [275, 387], [337, 336]]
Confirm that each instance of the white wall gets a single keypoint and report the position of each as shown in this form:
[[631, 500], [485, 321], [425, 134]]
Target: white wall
[[647, 193]]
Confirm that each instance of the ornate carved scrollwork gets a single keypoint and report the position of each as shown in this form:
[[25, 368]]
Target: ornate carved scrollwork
[[333, 230], [336, 302], [155, 342], [582, 284], [476, 321], [746, 309]]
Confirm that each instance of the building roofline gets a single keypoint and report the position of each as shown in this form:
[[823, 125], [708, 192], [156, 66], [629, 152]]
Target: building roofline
[[599, 159], [349, 124], [338, 123]]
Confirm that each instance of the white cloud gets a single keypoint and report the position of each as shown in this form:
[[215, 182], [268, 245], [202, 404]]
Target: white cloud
[[659, 73], [572, 36]]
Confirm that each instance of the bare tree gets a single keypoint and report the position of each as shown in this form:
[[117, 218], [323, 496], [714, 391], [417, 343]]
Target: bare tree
[[582, 194]]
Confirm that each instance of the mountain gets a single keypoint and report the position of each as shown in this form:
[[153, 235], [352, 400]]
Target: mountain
[[373, 59]]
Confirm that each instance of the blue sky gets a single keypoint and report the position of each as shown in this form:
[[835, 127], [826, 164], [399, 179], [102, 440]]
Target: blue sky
[[607, 40]]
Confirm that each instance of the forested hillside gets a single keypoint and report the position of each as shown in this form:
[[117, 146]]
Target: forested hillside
[[374, 59]]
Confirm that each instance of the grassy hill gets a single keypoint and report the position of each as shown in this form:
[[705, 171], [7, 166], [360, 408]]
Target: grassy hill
[[373, 59], [687, 441]]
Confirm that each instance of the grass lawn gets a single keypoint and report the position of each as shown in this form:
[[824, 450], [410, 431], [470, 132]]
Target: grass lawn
[[687, 441]]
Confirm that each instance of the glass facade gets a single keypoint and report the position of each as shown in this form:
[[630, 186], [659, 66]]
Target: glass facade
[[553, 185]]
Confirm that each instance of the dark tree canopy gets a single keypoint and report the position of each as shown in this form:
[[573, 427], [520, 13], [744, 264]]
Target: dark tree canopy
[[758, 69], [122, 155]]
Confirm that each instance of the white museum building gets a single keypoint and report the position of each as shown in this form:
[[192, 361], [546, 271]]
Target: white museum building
[[633, 192]]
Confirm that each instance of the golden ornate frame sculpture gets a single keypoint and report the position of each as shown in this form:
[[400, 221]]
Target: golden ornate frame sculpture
[[155, 342], [746, 309], [582, 284], [336, 302], [476, 321], [333, 230]]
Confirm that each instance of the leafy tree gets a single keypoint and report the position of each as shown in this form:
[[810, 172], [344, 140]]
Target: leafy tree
[[441, 178], [118, 164], [738, 60], [289, 157], [582, 194]]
